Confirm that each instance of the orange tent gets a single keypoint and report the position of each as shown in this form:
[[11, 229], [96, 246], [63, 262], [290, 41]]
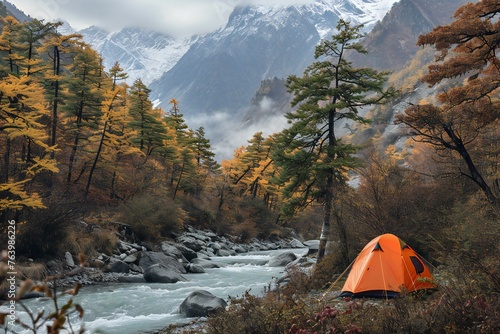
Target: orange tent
[[384, 268]]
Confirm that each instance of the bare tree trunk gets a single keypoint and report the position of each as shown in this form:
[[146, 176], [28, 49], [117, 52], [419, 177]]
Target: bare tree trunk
[[57, 66], [327, 213], [179, 180]]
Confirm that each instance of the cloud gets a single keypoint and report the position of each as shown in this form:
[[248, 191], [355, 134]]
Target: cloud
[[175, 17], [227, 131]]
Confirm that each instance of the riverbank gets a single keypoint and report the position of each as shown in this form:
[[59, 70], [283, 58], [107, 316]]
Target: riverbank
[[148, 307], [166, 262]]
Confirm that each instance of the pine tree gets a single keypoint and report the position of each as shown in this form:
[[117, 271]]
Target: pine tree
[[184, 154], [312, 159], [148, 123], [24, 151], [207, 166], [82, 104], [56, 47], [110, 134], [32, 34]]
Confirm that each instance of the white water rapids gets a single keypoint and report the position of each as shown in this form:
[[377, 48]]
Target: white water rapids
[[131, 308]]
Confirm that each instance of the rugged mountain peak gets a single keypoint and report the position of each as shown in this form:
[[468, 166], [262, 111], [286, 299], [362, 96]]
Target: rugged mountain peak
[[142, 53], [223, 69]]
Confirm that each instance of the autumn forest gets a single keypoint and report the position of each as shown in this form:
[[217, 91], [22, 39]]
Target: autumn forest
[[78, 144]]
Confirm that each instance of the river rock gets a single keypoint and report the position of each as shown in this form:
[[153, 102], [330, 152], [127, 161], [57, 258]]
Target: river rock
[[130, 259], [223, 252], [313, 246], [170, 249], [157, 273], [206, 253], [136, 268], [199, 236], [201, 303], [203, 255], [188, 253], [97, 263], [207, 264], [117, 267], [282, 259], [147, 259], [194, 268], [294, 243], [192, 243], [240, 249], [215, 246], [69, 259]]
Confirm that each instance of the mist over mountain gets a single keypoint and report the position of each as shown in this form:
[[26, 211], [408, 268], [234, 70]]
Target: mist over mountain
[[218, 76], [223, 70], [391, 45]]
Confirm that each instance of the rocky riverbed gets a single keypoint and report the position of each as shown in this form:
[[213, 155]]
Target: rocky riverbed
[[186, 259], [167, 262]]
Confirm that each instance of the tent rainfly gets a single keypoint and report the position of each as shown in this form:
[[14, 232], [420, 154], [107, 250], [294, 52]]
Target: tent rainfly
[[386, 267]]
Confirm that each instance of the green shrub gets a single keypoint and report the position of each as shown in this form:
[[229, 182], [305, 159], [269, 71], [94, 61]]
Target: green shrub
[[152, 217], [41, 233]]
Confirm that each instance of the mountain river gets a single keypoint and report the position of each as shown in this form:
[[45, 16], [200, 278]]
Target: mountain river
[[130, 308]]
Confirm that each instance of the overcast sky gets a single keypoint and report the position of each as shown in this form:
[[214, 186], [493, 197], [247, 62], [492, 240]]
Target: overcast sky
[[176, 17]]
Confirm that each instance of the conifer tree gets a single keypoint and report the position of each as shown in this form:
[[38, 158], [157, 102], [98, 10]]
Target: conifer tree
[[205, 159], [312, 159], [148, 123], [110, 134], [82, 104], [56, 47], [184, 154], [24, 151], [204, 154], [9, 46], [32, 34]]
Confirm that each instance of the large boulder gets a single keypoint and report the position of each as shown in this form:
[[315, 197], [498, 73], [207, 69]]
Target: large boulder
[[294, 243], [282, 259], [69, 259], [313, 246], [170, 249], [117, 267], [157, 273], [192, 243], [201, 303], [194, 268], [188, 253], [147, 259]]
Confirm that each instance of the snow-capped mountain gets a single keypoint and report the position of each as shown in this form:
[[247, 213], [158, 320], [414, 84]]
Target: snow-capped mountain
[[142, 53], [218, 76], [222, 70]]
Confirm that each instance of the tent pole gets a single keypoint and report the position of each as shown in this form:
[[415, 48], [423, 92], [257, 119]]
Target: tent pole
[[338, 278]]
